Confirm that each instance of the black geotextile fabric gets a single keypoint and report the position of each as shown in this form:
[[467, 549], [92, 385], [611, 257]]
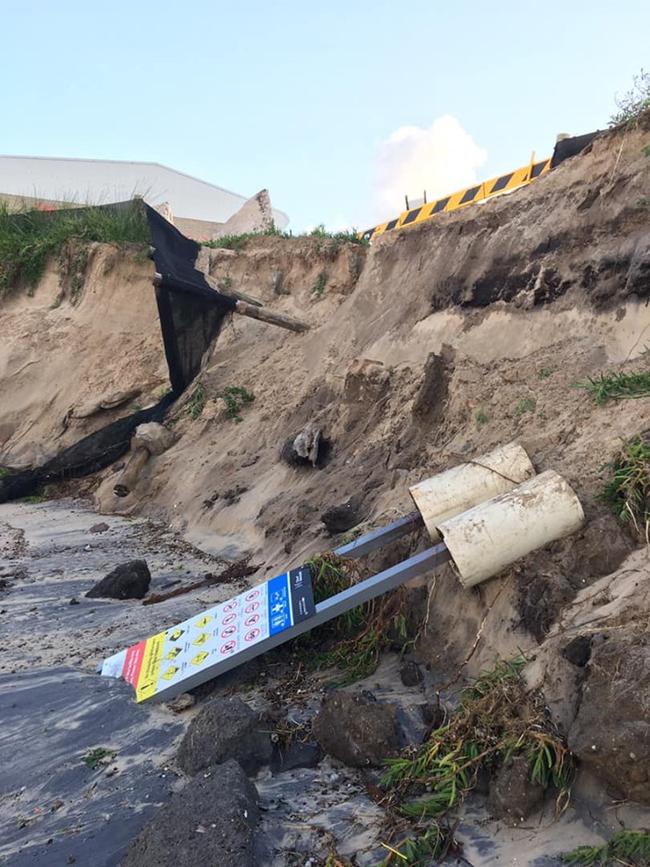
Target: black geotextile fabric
[[569, 147], [191, 314]]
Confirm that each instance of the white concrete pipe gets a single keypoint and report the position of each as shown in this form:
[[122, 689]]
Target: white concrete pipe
[[462, 487], [493, 535]]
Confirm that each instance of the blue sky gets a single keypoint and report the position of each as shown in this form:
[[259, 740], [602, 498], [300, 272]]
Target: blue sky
[[302, 98]]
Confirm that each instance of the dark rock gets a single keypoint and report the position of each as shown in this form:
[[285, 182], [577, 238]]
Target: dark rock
[[338, 519], [410, 674], [74, 601], [578, 651], [610, 734], [102, 527], [127, 581], [296, 755], [513, 797], [211, 821], [225, 728], [356, 729], [277, 283]]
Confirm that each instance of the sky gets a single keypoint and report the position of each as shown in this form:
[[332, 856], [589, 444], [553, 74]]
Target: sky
[[339, 108]]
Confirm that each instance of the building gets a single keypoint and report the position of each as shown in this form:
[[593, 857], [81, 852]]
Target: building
[[198, 207]]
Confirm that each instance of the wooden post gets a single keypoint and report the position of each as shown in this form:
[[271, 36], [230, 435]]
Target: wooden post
[[264, 315]]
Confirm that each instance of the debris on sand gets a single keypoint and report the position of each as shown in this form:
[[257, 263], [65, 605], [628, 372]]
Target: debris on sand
[[127, 581]]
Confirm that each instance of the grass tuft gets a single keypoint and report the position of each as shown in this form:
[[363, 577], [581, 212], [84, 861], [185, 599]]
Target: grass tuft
[[626, 847], [617, 386], [497, 718], [197, 401], [354, 641], [235, 398], [239, 242], [28, 238], [627, 491], [481, 418], [633, 103], [526, 404]]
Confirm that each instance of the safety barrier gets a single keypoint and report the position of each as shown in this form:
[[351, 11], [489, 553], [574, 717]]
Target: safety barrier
[[468, 196]]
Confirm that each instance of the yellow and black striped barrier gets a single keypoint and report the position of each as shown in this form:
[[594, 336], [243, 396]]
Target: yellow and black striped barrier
[[469, 196]]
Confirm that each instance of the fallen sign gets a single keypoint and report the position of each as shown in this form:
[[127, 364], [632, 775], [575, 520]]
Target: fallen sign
[[488, 513]]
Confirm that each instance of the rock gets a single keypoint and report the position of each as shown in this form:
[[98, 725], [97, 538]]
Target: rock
[[74, 601], [127, 581], [338, 519], [306, 448], [102, 527], [356, 729], [154, 437], [610, 733], [513, 797], [410, 673], [225, 728], [211, 821], [578, 651], [296, 755], [182, 702]]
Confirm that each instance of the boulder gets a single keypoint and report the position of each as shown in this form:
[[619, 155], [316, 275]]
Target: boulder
[[410, 673], [211, 821], [305, 448], [513, 797], [611, 733], [357, 729], [338, 519], [225, 728], [127, 581]]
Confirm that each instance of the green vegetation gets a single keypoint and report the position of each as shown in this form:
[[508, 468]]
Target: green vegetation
[[239, 242], [197, 401], [4, 471], [97, 757], [497, 719], [526, 404], [633, 103], [28, 238], [617, 386], [544, 372], [631, 848], [353, 641], [481, 418], [319, 286], [627, 492], [419, 850], [645, 150], [34, 498], [235, 398]]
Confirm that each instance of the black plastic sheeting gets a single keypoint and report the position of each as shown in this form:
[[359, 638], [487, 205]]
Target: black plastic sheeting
[[570, 147], [191, 314]]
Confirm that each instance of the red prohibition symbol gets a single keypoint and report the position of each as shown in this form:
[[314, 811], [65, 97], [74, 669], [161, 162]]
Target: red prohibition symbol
[[252, 595], [252, 607], [228, 647], [252, 635], [230, 606], [229, 630], [228, 619], [252, 620]]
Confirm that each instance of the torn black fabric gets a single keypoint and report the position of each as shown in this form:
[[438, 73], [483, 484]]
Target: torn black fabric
[[191, 312]]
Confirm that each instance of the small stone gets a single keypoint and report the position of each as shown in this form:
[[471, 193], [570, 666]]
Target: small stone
[[410, 674], [513, 797], [182, 702], [102, 527], [127, 581], [356, 729], [74, 601]]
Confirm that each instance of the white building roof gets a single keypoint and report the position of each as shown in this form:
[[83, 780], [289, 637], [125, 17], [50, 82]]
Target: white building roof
[[97, 182]]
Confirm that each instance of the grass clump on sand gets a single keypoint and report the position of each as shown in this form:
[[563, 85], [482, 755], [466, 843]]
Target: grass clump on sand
[[497, 718], [354, 641], [197, 401], [28, 238], [617, 386], [239, 242], [236, 398], [633, 103], [627, 491], [626, 847]]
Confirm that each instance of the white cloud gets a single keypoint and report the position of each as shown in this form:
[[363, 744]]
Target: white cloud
[[440, 159]]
